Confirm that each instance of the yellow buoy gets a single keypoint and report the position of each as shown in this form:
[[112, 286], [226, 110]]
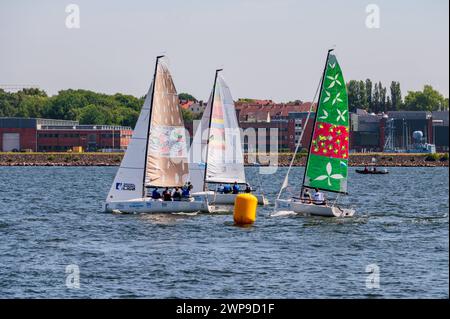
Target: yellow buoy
[[245, 209]]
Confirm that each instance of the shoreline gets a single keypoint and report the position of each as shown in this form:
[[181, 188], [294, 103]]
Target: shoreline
[[283, 159]]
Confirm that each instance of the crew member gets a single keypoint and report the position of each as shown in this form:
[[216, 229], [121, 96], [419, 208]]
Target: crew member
[[156, 194], [227, 189], [236, 188], [176, 194], [319, 197], [306, 196], [167, 196]]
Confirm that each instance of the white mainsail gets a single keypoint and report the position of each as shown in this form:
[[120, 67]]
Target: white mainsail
[[158, 149], [222, 156], [128, 183]]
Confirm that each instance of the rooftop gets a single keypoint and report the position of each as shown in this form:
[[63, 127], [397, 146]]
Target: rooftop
[[21, 122]]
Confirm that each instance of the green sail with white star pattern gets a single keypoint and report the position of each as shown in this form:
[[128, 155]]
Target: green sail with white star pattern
[[327, 165]]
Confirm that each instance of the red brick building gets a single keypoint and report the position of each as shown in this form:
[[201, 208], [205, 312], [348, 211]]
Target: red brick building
[[46, 135]]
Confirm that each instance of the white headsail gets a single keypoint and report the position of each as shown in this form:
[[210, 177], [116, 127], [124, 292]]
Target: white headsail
[[128, 183]]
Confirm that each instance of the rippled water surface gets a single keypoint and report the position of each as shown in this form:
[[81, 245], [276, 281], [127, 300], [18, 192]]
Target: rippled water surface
[[50, 217]]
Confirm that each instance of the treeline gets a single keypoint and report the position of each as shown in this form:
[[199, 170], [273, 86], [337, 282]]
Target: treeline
[[376, 98], [89, 107], [84, 106]]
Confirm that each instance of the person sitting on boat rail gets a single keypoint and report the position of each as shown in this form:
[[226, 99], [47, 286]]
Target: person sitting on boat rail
[[236, 188], [227, 189], [167, 196], [220, 189], [319, 197], [186, 193], [176, 194], [248, 189], [187, 186], [306, 196], [156, 194], [365, 169]]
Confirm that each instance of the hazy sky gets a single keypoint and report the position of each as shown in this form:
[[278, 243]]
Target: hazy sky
[[269, 48]]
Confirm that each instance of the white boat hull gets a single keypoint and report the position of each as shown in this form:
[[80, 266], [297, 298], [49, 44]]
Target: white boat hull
[[148, 205], [225, 199], [312, 209]]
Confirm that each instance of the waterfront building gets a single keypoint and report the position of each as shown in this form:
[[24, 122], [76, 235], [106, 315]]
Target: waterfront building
[[440, 130], [366, 132], [47, 135]]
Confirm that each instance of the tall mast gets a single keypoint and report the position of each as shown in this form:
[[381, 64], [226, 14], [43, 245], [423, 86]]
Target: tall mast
[[149, 122], [315, 118], [209, 128]]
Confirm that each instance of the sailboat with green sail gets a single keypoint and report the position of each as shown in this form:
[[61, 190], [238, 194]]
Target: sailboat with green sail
[[327, 162]]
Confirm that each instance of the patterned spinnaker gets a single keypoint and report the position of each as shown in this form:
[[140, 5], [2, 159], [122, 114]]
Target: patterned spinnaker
[[327, 164]]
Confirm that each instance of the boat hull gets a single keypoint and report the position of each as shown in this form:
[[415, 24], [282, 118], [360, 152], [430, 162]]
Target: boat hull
[[312, 209], [148, 205], [371, 172], [225, 199]]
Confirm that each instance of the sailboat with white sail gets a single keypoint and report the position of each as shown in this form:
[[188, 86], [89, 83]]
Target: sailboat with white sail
[[327, 162], [156, 156], [216, 156]]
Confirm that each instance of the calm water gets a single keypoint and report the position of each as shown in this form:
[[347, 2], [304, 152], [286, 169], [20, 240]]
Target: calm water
[[50, 217]]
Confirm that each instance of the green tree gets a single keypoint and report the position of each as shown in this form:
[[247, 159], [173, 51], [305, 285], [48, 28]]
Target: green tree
[[63, 106], [186, 97], [129, 101], [362, 96], [94, 114], [376, 104], [426, 100], [388, 103], [188, 116], [382, 107], [369, 87], [8, 103], [353, 95], [396, 96], [246, 100], [33, 91]]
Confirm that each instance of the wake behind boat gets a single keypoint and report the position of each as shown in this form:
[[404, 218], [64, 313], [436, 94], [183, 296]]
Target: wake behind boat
[[311, 209], [225, 199], [156, 155], [327, 163], [216, 157]]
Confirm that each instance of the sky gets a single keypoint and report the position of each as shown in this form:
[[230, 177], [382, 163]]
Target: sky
[[269, 49]]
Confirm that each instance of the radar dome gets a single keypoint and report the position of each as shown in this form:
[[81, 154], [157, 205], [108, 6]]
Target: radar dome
[[417, 135]]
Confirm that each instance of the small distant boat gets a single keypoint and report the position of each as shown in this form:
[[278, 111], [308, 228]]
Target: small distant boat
[[327, 163], [216, 156], [156, 155], [372, 171]]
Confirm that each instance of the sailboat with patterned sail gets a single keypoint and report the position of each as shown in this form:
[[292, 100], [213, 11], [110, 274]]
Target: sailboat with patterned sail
[[216, 155], [327, 162], [156, 155]]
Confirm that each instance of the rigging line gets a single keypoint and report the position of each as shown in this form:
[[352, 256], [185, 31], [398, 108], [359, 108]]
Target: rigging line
[[300, 138]]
